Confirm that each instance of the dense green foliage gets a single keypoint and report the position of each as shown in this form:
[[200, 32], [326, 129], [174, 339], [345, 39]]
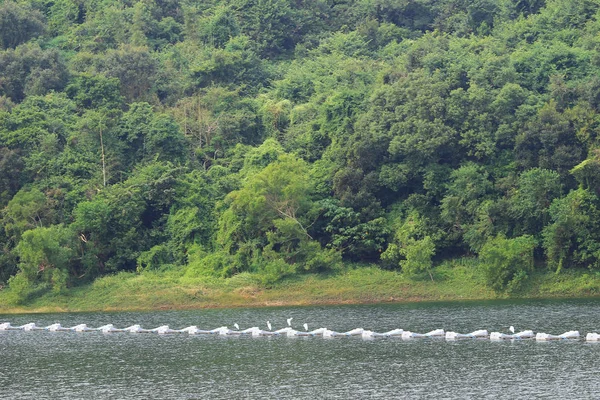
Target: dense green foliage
[[286, 137]]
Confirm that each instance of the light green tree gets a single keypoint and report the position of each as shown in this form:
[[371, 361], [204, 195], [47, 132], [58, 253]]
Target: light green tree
[[507, 262]]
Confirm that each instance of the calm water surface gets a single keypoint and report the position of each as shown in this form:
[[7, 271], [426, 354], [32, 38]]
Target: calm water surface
[[68, 365]]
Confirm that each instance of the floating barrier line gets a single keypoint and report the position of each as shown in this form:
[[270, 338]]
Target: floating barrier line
[[321, 332]]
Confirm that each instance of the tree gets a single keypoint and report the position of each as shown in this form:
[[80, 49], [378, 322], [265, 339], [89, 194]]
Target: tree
[[30, 70], [12, 178], [268, 24], [550, 141], [150, 136], [233, 65], [18, 24], [219, 27], [507, 262], [125, 219], [45, 254], [465, 201], [587, 173], [93, 91], [27, 210], [135, 67], [411, 249], [269, 219], [530, 204], [572, 238], [216, 120], [341, 228]]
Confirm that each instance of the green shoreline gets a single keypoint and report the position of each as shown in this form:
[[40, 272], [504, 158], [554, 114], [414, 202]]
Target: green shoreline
[[363, 285]]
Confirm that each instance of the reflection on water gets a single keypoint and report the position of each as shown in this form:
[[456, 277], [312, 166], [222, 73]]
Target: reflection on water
[[93, 365]]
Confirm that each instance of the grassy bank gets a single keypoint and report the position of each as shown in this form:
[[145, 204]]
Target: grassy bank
[[459, 280]]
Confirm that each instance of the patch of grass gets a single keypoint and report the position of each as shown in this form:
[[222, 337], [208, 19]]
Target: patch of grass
[[460, 279]]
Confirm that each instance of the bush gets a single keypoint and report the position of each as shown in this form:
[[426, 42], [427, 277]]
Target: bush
[[507, 262], [59, 280], [214, 264], [323, 260], [159, 257], [19, 289], [275, 270]]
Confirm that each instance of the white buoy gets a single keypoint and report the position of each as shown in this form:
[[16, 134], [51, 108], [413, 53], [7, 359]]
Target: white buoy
[[28, 327], [524, 335], [436, 333], [394, 332], [366, 334], [136, 329], [109, 328], [411, 335], [592, 337], [193, 330], [500, 336], [479, 334], [327, 333], [164, 330], [81, 328], [220, 331], [284, 331], [570, 335], [514, 336], [56, 328], [259, 332], [5, 326], [355, 332], [323, 332], [371, 335], [318, 332]]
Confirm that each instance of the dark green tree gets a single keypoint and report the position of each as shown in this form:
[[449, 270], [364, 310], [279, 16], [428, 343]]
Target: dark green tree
[[18, 24]]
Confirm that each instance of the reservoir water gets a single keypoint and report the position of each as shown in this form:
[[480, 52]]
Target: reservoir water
[[69, 365]]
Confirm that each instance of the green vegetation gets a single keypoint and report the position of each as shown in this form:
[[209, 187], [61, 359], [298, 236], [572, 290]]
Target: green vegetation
[[202, 150], [461, 279]]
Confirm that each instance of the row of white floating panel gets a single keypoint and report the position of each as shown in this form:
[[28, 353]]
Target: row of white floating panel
[[324, 332]]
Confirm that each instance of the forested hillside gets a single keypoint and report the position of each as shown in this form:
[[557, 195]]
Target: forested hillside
[[284, 137]]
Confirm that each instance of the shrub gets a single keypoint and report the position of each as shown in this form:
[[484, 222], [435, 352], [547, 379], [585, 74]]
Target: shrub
[[507, 262], [19, 289]]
